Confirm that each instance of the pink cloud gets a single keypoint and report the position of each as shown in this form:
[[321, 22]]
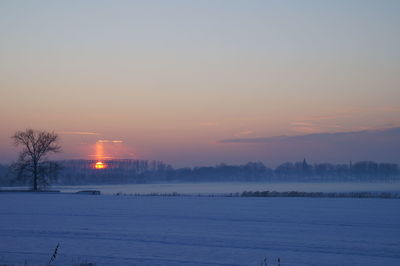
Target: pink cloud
[[209, 124], [78, 133], [244, 133]]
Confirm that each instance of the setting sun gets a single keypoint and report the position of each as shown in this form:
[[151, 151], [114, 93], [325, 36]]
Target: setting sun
[[99, 165]]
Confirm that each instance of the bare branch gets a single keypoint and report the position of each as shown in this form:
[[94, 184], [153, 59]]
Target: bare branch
[[36, 145]]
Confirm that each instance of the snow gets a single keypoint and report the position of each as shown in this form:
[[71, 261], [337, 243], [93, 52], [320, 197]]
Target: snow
[[129, 230], [225, 188]]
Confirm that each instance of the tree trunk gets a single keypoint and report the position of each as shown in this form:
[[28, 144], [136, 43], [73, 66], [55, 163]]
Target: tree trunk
[[35, 177]]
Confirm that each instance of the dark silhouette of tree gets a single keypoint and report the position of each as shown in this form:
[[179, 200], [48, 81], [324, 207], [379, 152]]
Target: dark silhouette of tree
[[32, 161]]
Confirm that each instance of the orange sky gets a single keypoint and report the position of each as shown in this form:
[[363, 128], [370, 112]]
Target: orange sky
[[171, 79]]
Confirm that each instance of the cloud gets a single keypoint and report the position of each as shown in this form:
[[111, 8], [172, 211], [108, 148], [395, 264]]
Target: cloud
[[305, 127], [110, 141], [295, 124], [209, 124], [339, 114], [317, 136], [244, 133], [378, 145], [78, 133]]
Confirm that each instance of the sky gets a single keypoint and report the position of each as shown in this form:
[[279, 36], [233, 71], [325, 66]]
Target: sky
[[171, 80]]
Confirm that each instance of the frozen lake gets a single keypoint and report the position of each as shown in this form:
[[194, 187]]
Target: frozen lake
[[225, 188], [128, 230]]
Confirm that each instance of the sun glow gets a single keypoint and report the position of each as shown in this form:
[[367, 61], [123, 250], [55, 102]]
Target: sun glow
[[100, 165], [106, 151]]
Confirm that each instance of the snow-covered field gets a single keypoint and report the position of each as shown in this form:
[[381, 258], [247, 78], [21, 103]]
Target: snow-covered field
[[232, 187], [128, 230]]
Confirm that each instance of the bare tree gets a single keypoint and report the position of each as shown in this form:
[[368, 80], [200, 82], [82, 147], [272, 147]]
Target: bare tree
[[32, 160]]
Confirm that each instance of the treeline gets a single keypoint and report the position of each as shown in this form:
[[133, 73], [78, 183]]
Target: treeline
[[143, 171], [297, 194], [299, 171], [78, 172]]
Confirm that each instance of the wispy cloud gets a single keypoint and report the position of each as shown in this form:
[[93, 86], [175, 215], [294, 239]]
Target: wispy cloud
[[78, 133], [305, 127], [314, 136], [209, 124], [244, 133], [299, 124], [327, 122], [338, 114], [109, 141]]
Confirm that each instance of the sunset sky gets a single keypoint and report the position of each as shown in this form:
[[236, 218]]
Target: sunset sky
[[173, 80]]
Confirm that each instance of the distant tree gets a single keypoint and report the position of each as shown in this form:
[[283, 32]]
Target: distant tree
[[32, 161], [285, 170]]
